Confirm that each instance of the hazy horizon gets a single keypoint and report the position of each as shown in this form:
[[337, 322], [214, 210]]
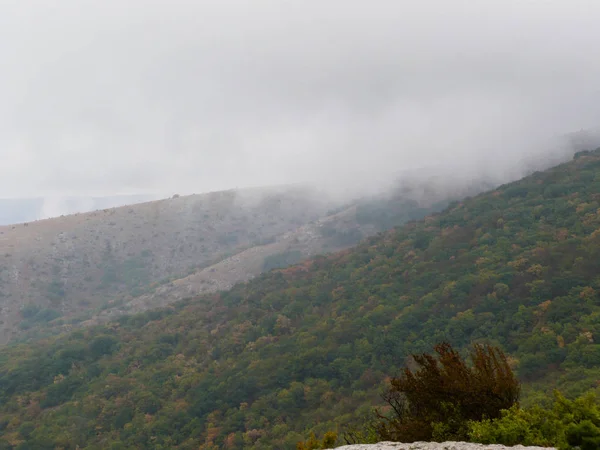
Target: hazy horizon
[[190, 97]]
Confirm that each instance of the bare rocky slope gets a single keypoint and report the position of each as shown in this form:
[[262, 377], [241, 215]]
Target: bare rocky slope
[[323, 235], [72, 264]]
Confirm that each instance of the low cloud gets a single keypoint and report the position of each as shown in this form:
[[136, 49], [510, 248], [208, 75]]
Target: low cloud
[[101, 98]]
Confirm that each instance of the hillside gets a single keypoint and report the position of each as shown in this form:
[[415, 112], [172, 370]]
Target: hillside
[[78, 263], [87, 268], [21, 210], [307, 348]]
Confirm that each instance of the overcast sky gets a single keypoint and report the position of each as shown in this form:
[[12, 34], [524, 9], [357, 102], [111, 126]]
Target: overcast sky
[[117, 96]]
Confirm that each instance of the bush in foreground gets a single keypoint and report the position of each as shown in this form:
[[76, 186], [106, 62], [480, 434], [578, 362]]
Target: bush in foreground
[[438, 399], [328, 441], [568, 424]]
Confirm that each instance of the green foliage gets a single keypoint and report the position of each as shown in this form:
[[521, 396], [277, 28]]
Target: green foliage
[[56, 291], [341, 238], [363, 431], [388, 212], [102, 345], [566, 424], [34, 314], [29, 310], [438, 399], [132, 273], [328, 441], [282, 259], [61, 391]]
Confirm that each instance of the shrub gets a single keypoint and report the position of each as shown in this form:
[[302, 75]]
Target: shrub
[[29, 310], [280, 260], [438, 400], [102, 345], [328, 441], [567, 424]]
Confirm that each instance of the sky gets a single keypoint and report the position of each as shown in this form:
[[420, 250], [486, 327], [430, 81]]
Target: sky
[[104, 97]]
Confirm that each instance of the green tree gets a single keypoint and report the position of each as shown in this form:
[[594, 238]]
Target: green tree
[[564, 424]]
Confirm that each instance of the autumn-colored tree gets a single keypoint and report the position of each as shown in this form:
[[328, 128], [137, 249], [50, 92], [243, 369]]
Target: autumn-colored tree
[[328, 441], [435, 401]]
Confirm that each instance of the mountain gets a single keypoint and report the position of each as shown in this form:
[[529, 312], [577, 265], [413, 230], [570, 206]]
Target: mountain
[[81, 262], [91, 267], [84, 269], [21, 210], [308, 347]]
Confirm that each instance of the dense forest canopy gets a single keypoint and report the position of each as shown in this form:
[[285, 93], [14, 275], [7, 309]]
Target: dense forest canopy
[[309, 348]]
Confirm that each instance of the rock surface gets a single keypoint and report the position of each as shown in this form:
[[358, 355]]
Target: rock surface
[[436, 446]]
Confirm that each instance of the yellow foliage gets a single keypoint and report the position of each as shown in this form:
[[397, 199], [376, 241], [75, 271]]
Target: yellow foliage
[[410, 254], [588, 336], [545, 305], [328, 441], [337, 293], [587, 293], [230, 440], [481, 260], [536, 270], [449, 288], [518, 264], [582, 207]]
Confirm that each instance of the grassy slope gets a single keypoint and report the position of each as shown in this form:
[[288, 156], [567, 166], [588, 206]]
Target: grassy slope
[[309, 346]]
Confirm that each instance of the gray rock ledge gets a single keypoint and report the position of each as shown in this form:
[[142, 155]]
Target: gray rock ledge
[[437, 446]]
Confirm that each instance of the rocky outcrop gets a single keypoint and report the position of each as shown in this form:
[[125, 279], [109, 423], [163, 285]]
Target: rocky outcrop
[[436, 446]]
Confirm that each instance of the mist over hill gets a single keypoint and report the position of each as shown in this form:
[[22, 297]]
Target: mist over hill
[[345, 185], [341, 184], [21, 210], [309, 346], [81, 262], [88, 267]]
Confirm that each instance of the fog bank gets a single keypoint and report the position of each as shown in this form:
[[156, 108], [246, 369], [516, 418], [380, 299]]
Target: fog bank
[[101, 97]]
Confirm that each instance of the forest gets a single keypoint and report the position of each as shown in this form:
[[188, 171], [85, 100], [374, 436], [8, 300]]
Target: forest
[[311, 347]]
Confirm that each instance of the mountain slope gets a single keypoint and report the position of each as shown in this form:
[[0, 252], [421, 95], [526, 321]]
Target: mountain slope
[[307, 347], [20, 210], [76, 263], [84, 269]]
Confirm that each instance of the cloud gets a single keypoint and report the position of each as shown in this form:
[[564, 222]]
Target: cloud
[[107, 97]]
